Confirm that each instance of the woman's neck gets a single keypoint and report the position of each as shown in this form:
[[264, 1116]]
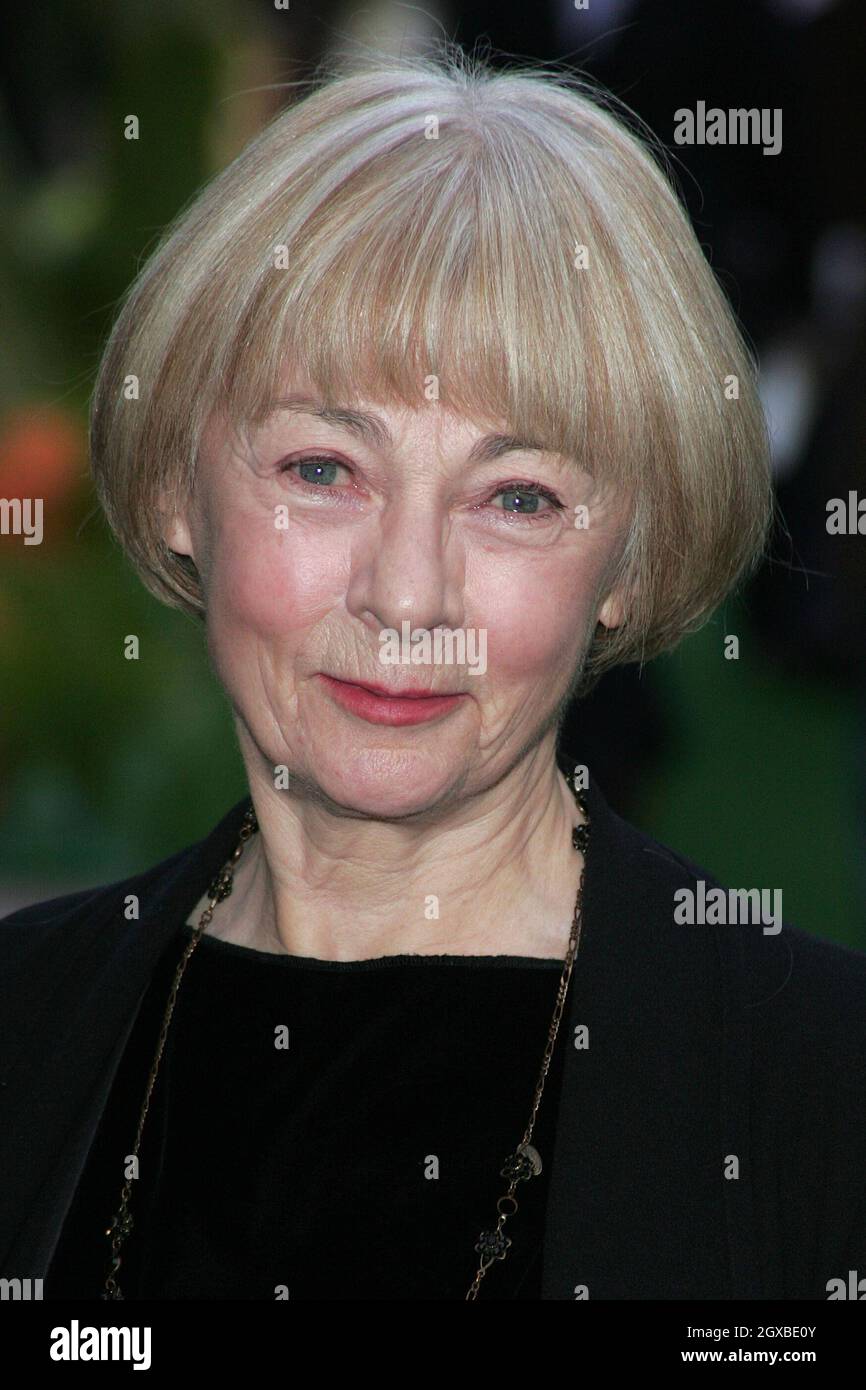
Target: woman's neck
[[497, 878]]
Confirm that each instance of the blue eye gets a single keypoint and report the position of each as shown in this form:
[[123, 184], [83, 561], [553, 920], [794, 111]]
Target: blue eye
[[526, 501], [320, 472], [522, 500]]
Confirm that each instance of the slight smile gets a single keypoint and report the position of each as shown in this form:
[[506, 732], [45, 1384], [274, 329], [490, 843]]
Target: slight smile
[[378, 705]]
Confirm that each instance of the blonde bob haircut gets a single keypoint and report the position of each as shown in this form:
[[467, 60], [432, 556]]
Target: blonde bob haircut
[[512, 233]]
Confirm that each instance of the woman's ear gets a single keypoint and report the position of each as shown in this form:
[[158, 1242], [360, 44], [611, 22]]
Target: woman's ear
[[175, 528], [612, 610]]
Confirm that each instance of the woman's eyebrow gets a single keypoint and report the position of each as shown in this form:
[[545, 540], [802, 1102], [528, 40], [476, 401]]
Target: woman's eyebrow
[[372, 429], [492, 446], [362, 423]]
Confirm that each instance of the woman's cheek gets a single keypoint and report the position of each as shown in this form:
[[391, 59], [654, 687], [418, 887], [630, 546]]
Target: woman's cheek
[[277, 587], [533, 622]]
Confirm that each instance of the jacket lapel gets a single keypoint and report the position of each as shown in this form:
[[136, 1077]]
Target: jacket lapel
[[75, 981], [649, 1110]]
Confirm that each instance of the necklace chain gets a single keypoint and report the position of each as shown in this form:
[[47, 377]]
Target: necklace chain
[[519, 1166]]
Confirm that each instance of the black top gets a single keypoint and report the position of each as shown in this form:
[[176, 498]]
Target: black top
[[710, 1133], [361, 1161]]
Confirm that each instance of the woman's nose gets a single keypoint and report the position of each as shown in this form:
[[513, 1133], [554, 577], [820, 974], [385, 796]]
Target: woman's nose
[[412, 569]]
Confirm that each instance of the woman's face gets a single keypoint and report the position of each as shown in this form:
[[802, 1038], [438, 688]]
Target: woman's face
[[316, 537]]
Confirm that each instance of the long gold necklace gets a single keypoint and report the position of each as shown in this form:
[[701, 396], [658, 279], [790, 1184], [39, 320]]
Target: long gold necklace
[[524, 1163]]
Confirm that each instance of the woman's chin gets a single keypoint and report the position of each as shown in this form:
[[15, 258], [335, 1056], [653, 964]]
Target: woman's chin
[[381, 782]]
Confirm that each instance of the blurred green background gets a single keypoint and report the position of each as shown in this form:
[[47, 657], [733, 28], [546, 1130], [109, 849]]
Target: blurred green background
[[108, 765]]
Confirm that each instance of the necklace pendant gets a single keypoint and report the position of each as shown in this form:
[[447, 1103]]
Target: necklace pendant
[[121, 1225], [493, 1245], [221, 886], [524, 1163]]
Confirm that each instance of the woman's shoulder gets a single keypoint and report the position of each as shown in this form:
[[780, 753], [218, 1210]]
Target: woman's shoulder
[[79, 963], [768, 966], [151, 893], [99, 897]]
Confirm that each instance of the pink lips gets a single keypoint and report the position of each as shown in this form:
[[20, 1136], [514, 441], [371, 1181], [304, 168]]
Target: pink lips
[[378, 705]]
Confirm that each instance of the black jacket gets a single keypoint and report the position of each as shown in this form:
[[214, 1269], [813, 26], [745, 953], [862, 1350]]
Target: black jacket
[[725, 1074]]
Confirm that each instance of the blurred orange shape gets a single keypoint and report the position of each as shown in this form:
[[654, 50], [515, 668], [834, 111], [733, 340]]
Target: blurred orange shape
[[42, 452]]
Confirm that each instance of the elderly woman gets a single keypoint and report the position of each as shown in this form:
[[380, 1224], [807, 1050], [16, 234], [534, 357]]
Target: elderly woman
[[431, 409]]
